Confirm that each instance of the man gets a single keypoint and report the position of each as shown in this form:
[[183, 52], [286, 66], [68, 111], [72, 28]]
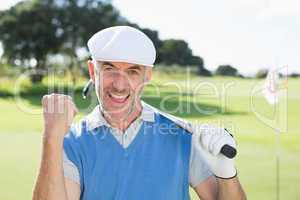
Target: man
[[126, 149]]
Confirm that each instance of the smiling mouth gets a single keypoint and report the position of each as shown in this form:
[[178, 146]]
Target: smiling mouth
[[118, 98]]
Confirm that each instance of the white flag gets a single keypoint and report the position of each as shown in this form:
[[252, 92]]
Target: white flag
[[270, 89]]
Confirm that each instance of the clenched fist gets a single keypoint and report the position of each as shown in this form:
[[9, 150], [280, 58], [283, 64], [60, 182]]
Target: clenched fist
[[59, 112]]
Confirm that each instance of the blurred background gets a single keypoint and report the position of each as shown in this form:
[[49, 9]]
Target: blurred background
[[212, 62]]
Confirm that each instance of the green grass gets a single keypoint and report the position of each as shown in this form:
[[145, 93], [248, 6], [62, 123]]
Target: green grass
[[21, 125]]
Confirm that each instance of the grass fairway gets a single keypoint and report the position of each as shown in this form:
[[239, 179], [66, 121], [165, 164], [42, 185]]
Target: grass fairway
[[21, 124]]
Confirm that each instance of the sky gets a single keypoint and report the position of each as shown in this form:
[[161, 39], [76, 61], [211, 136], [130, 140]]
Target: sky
[[247, 34]]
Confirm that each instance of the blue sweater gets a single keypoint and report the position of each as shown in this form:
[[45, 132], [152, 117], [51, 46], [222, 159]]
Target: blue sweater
[[155, 166]]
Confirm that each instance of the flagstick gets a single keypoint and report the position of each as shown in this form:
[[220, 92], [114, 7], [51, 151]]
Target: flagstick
[[270, 91], [277, 146], [277, 132]]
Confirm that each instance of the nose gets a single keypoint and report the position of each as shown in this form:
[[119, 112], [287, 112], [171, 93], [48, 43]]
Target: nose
[[120, 81]]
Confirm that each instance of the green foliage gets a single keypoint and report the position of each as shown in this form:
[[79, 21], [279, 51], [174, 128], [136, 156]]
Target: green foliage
[[294, 75], [226, 70], [178, 52], [204, 72], [28, 31], [262, 73], [175, 52]]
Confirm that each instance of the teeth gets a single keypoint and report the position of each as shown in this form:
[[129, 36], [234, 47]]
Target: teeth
[[118, 96]]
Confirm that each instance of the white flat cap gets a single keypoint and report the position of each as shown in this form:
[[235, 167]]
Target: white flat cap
[[122, 44]]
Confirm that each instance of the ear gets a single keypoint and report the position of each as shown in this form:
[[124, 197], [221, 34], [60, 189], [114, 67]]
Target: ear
[[91, 70]]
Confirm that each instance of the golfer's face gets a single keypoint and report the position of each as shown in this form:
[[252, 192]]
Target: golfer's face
[[120, 85]]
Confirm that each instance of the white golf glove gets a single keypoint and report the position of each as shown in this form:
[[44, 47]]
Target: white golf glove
[[210, 140]]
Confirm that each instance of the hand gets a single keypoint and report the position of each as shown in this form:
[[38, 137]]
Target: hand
[[59, 112], [211, 139]]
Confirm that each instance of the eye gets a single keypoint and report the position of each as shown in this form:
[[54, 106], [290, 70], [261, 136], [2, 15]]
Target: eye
[[107, 68], [133, 72]]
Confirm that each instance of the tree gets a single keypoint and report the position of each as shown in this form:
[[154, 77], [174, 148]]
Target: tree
[[226, 70], [28, 33], [178, 52], [294, 75], [262, 73], [175, 52], [202, 71]]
